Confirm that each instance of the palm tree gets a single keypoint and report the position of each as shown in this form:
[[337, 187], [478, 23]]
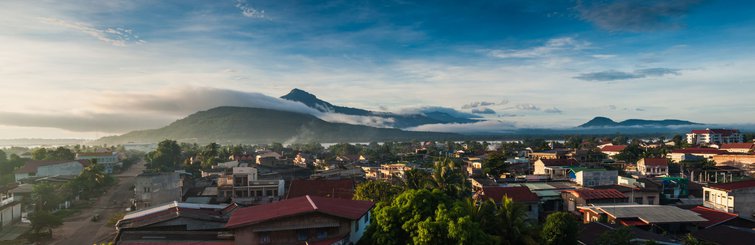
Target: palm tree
[[450, 179]]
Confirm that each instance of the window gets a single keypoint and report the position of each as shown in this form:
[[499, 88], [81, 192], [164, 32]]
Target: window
[[356, 226], [651, 200], [707, 196], [302, 235], [264, 238], [322, 234], [269, 193], [638, 200], [259, 193]]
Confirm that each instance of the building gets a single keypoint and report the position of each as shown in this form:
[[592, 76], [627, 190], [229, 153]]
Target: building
[[302, 220], [519, 194], [157, 188], [107, 159], [653, 167], [555, 168], [714, 136], [641, 193], [587, 235], [668, 218], [50, 168], [268, 158], [550, 154], [304, 160], [390, 171], [612, 150], [738, 147], [342, 188], [589, 177], [10, 211], [693, 154], [734, 197], [584, 197], [176, 223]]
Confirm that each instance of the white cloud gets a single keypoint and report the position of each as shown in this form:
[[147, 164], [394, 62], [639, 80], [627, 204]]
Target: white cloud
[[551, 47], [117, 36], [490, 126], [249, 11]]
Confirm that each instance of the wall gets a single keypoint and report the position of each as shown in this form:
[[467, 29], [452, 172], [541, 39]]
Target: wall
[[597, 178], [748, 159], [10, 214], [743, 203], [68, 168], [280, 231], [155, 189], [363, 223]]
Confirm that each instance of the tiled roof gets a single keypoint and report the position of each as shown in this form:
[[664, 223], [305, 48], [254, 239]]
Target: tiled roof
[[613, 148], [734, 185], [713, 216], [343, 188], [516, 193], [699, 151], [737, 146], [559, 162], [592, 194], [655, 161], [32, 166], [349, 209]]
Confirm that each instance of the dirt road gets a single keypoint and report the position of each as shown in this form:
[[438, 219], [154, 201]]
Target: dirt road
[[80, 230]]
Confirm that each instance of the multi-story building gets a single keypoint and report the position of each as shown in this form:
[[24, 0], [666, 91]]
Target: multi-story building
[[107, 159], [739, 147], [734, 197], [389, 171], [242, 186], [612, 150], [653, 167], [714, 136], [589, 177], [693, 154], [152, 189], [555, 168]]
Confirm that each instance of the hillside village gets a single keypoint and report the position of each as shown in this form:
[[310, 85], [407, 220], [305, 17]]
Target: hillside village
[[696, 188]]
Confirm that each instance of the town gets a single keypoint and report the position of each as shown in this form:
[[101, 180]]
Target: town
[[696, 188]]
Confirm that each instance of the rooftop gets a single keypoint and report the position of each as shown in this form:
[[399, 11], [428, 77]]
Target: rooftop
[[592, 194], [33, 165], [738, 146], [613, 148], [655, 161], [699, 151], [651, 214], [713, 216], [559, 162], [516, 193], [349, 209], [342, 188], [734, 185]]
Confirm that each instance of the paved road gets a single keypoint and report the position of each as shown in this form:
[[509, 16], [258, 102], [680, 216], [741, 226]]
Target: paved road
[[80, 229]]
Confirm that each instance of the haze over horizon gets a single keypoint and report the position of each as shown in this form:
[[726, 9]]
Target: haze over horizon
[[85, 68]]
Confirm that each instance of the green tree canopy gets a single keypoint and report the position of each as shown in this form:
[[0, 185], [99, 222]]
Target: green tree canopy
[[559, 229], [376, 191], [167, 156], [495, 165], [620, 236]]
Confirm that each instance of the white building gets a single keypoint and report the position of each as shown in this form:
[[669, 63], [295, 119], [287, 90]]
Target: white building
[[157, 188], [50, 168], [733, 197], [595, 177], [714, 136], [653, 167], [107, 159]]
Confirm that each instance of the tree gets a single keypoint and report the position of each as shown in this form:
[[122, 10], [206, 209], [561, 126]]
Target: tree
[[560, 228], [495, 165], [91, 180], [44, 220], [416, 179], [45, 197], [376, 191], [631, 154], [398, 222], [620, 236], [60, 153], [210, 155], [39, 154], [449, 178], [166, 157]]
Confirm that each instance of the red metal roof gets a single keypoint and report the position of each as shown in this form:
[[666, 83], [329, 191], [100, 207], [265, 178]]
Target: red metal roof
[[559, 162], [737, 146], [592, 194], [343, 188], [613, 148], [713, 216], [699, 151], [723, 132], [33, 165], [516, 193], [349, 209], [655, 161], [178, 243], [734, 185]]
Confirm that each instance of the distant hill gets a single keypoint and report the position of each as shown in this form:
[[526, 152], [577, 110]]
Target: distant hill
[[235, 125], [400, 120], [607, 122]]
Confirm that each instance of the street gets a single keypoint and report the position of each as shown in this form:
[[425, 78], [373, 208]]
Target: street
[[80, 229]]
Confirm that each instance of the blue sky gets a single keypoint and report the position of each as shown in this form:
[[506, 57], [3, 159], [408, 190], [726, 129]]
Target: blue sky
[[85, 68]]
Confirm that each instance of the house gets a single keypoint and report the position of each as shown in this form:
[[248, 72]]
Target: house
[[748, 147], [584, 197], [177, 223], [390, 171], [584, 155], [714, 136], [589, 177], [714, 217], [692, 154], [663, 218], [555, 168], [303, 160], [550, 154], [734, 197], [267, 158], [640, 193], [243, 187], [550, 194], [718, 174], [157, 188], [10, 211], [342, 188], [612, 150], [474, 168], [107, 159], [587, 235], [306, 219], [519, 194], [726, 234], [48, 168], [653, 167]]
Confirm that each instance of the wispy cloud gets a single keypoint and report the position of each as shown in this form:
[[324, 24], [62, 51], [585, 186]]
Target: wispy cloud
[[613, 75], [483, 110], [632, 15], [249, 11], [482, 127], [603, 56], [553, 110], [549, 48], [117, 36], [527, 107]]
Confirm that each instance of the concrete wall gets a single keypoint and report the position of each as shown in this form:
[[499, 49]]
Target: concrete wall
[[10, 214], [744, 203], [155, 189], [363, 221], [748, 159], [597, 178]]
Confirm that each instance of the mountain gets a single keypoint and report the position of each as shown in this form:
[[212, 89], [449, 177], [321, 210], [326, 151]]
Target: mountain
[[607, 122], [236, 125], [400, 120]]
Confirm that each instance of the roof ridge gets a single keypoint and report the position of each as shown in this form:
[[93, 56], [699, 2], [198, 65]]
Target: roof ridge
[[311, 202]]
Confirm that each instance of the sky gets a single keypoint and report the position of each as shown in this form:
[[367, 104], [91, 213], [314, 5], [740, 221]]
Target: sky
[[90, 68]]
